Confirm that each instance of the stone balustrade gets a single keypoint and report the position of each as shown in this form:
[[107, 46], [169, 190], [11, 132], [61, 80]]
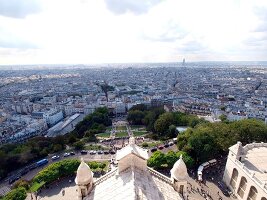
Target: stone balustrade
[[105, 177], [250, 146], [160, 176]]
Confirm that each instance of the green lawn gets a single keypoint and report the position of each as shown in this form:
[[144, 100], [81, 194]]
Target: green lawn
[[138, 133], [153, 144], [35, 186], [121, 134], [95, 147], [105, 169], [139, 127], [121, 128], [104, 135], [109, 128]]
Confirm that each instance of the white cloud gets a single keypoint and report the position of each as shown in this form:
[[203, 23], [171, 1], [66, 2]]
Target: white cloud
[[19, 8], [86, 31], [134, 6]]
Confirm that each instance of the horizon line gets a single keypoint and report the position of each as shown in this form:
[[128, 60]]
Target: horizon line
[[119, 63]]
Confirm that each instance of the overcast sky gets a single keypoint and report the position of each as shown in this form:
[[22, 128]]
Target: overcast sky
[[114, 31]]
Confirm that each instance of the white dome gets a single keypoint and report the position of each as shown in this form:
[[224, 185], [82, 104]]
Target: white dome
[[179, 170], [84, 174]]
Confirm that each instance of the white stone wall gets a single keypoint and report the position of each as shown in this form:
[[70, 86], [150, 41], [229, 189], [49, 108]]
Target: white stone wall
[[242, 172], [132, 160]]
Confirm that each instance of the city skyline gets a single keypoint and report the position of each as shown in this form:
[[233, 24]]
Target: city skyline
[[110, 31]]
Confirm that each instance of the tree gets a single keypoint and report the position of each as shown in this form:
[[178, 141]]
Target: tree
[[79, 145], [203, 144], [140, 107], [189, 161], [223, 118], [90, 136], [182, 139], [135, 117], [223, 108], [72, 138], [16, 194], [21, 183], [172, 132], [163, 122], [250, 130], [171, 158], [156, 160], [57, 170], [144, 145]]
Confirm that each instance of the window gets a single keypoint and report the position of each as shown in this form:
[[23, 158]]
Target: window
[[252, 195], [242, 187], [181, 190], [234, 178]]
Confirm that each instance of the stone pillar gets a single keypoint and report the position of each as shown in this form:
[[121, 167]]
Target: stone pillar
[[181, 187]]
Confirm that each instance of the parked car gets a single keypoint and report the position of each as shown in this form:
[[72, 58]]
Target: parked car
[[171, 143], [161, 147], [153, 149], [55, 157], [66, 154], [106, 152], [166, 145], [13, 179], [112, 152], [100, 152], [24, 171], [72, 153], [83, 152]]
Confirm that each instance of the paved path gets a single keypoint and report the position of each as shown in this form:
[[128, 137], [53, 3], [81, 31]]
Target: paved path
[[54, 192], [199, 191]]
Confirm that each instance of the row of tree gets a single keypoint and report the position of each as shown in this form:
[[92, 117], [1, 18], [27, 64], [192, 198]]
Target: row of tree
[[14, 156], [92, 124], [161, 124], [210, 140], [18, 194], [57, 170], [159, 160]]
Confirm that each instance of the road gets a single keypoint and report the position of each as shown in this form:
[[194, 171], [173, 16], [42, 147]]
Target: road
[[5, 186]]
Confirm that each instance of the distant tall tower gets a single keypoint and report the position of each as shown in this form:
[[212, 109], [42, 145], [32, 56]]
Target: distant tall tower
[[184, 62]]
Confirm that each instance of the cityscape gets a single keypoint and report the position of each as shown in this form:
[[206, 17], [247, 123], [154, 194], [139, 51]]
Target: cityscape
[[133, 100], [45, 102], [51, 103]]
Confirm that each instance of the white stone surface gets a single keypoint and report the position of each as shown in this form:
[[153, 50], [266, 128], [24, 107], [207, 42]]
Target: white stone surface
[[133, 184], [133, 148], [250, 162], [84, 174], [179, 170]]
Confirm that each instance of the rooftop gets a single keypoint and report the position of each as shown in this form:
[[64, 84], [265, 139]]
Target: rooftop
[[133, 184], [256, 160]]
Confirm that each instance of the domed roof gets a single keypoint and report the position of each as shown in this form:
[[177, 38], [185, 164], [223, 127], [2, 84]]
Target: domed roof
[[179, 170], [84, 174]]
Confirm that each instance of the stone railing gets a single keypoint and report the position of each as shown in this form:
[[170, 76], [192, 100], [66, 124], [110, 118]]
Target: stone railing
[[252, 175], [105, 177], [258, 180], [250, 146], [160, 176], [247, 170]]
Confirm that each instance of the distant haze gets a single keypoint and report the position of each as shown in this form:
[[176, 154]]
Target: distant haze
[[125, 31], [207, 64]]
